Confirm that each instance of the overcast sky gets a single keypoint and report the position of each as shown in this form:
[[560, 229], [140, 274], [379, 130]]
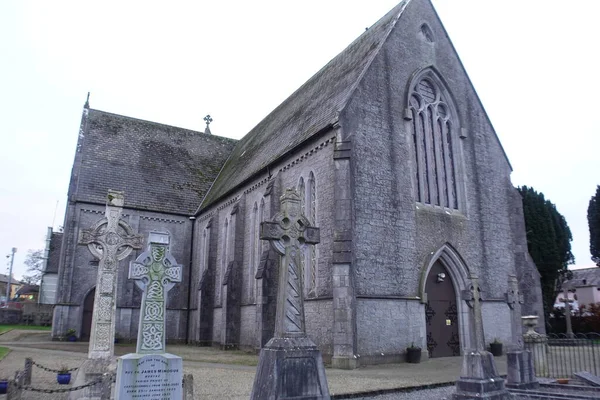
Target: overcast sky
[[533, 64]]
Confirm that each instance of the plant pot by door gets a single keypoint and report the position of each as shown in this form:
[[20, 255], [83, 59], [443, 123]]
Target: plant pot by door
[[3, 387], [413, 356], [496, 349]]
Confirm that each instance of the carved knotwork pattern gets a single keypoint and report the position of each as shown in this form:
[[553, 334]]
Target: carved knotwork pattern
[[106, 285], [154, 312], [431, 344], [429, 313], [105, 310], [452, 313], [138, 270], [155, 291], [173, 273], [454, 344], [152, 336], [102, 338]]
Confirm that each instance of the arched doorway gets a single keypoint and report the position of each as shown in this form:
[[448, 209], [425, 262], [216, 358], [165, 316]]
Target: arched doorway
[[88, 310], [441, 313]]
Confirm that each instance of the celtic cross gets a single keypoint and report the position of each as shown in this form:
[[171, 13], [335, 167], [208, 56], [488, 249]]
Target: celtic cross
[[287, 232], [514, 298], [155, 272], [208, 119], [478, 339], [110, 240]]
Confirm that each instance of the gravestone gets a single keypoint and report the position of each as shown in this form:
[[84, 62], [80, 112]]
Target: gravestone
[[479, 378], [520, 369], [110, 240], [290, 364], [151, 373]]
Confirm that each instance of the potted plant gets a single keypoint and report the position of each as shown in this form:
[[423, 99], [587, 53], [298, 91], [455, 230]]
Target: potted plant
[[496, 347], [413, 354], [64, 375], [3, 385], [71, 335]]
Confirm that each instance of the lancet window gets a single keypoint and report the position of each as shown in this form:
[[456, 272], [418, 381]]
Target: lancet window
[[254, 239], [434, 130]]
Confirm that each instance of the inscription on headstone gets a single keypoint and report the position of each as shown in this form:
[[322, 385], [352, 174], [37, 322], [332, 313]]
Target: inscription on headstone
[[151, 377]]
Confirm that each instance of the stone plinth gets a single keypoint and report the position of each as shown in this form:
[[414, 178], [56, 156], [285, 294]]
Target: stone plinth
[[91, 370], [290, 368], [479, 378], [521, 373], [149, 377], [537, 344]]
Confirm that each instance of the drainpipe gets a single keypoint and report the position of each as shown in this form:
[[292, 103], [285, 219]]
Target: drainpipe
[[189, 299]]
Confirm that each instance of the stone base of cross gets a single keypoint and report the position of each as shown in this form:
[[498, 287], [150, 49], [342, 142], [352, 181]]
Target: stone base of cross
[[290, 365], [479, 378]]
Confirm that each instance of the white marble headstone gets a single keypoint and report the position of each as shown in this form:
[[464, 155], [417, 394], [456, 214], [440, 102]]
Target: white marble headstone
[[149, 377]]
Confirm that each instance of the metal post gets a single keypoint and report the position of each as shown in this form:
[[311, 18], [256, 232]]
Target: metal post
[[12, 260]]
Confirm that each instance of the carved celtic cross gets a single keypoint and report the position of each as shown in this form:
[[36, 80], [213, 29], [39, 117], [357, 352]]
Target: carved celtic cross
[[155, 272], [110, 240], [287, 232], [514, 298], [478, 339]]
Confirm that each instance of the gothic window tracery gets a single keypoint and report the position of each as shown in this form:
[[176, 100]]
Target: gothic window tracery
[[254, 239], [434, 127]]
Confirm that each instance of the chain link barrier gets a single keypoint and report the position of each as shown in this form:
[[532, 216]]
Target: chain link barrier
[[71, 389], [58, 371]]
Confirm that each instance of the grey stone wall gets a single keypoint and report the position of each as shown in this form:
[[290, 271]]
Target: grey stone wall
[[78, 271], [315, 157]]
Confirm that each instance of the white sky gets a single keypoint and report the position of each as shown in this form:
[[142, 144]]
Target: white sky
[[533, 63]]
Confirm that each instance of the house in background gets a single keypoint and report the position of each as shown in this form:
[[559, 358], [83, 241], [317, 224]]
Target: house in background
[[15, 285], [584, 288]]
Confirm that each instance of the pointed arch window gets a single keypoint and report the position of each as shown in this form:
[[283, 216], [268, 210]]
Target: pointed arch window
[[302, 194], [434, 130], [224, 258], [311, 213], [254, 238]]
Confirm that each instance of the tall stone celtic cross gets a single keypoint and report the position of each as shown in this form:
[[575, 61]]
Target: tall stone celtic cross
[[514, 299], [287, 232], [155, 272], [478, 339], [110, 240]]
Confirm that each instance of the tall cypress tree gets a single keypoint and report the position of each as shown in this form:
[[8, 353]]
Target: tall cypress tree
[[593, 214], [548, 242]]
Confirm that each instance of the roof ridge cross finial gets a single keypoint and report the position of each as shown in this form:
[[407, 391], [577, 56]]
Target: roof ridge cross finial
[[208, 119]]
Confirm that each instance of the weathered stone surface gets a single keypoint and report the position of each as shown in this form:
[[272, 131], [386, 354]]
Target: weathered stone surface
[[149, 376], [520, 370]]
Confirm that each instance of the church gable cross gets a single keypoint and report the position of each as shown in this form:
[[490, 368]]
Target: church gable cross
[[110, 240], [287, 232], [155, 272]]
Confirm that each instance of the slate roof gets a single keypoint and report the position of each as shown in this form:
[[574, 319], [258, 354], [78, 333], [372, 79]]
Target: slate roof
[[13, 281], [159, 167], [584, 277], [307, 111], [54, 253]]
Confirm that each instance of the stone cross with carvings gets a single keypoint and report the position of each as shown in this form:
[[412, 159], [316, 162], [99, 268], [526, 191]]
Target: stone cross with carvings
[[477, 339], [110, 240], [155, 272], [514, 298], [287, 232]]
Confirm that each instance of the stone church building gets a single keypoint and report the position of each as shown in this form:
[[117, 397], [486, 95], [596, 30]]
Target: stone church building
[[397, 163]]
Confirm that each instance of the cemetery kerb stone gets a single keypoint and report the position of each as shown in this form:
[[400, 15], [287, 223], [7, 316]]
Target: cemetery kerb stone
[[151, 373], [479, 378], [110, 240], [290, 364]]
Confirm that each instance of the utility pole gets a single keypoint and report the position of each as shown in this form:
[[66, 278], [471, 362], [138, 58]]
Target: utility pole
[[12, 260]]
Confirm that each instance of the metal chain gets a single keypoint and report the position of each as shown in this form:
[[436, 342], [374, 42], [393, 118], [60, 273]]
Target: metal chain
[[54, 370], [71, 389]]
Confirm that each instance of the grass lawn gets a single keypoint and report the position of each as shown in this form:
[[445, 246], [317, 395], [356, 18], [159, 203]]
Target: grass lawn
[[6, 328], [3, 352]]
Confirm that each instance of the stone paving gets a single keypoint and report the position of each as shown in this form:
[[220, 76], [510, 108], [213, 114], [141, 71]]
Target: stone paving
[[223, 374]]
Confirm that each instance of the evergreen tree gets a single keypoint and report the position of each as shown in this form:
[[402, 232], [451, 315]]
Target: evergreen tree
[[548, 242], [593, 214]]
